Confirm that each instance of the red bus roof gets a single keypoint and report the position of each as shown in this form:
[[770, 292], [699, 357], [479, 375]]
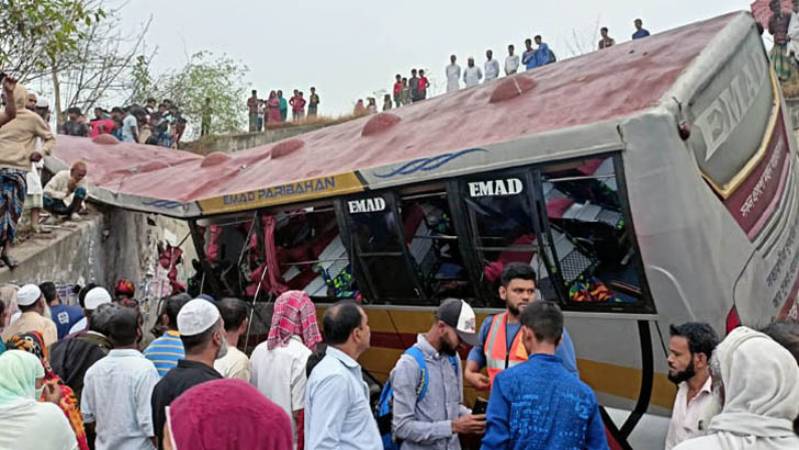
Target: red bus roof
[[597, 87]]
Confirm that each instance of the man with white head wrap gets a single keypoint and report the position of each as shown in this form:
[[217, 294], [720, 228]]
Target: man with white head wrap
[[31, 302], [758, 394], [92, 300], [202, 332]]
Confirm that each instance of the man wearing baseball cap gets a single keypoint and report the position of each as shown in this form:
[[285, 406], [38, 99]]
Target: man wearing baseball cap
[[31, 304], [436, 420], [202, 332]]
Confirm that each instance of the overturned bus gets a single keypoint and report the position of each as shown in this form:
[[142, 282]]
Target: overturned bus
[[648, 184]]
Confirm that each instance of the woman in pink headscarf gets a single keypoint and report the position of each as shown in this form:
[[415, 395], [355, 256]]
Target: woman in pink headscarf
[[225, 415], [278, 365]]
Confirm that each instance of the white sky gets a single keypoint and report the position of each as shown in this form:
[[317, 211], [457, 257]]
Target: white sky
[[351, 49]]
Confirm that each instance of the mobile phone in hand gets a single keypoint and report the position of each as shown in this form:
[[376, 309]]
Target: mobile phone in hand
[[480, 406]]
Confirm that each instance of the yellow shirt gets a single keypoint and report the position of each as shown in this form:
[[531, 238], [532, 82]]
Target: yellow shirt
[[33, 321], [18, 138]]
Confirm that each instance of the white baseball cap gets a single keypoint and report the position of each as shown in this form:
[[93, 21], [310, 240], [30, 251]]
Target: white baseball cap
[[460, 316], [197, 316], [96, 297], [28, 295], [42, 102]]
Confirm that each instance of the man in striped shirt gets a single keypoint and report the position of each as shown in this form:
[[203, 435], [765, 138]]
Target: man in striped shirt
[[166, 350]]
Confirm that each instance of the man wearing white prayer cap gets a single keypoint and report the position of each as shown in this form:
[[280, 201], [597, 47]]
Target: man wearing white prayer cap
[[202, 332], [95, 297], [31, 303]]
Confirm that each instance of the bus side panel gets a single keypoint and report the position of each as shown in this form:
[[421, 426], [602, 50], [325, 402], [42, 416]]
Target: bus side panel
[[692, 249]]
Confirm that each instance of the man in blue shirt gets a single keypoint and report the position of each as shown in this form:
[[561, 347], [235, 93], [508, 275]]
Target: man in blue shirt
[[64, 316], [542, 56], [166, 350], [337, 410], [640, 31], [529, 53], [538, 404], [518, 290]]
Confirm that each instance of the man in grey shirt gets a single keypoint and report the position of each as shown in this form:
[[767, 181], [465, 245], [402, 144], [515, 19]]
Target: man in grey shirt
[[436, 421]]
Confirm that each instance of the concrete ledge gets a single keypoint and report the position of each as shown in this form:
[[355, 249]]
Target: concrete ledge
[[71, 253]]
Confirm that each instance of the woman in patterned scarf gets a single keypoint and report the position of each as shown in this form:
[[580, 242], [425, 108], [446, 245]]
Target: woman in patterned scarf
[[33, 342]]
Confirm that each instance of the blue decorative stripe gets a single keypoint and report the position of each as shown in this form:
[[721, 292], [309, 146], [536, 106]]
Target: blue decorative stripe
[[427, 164], [164, 204]]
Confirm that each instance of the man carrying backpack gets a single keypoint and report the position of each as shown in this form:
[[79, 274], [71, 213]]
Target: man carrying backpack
[[427, 385]]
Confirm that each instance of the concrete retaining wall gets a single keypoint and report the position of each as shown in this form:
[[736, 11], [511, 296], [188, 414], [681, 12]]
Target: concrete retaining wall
[[236, 142], [103, 247]]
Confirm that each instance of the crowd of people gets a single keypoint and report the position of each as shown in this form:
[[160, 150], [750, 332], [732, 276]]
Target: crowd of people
[[275, 109], [407, 90], [90, 377], [154, 123]]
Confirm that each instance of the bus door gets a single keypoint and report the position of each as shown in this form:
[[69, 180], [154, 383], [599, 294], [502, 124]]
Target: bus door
[[378, 248]]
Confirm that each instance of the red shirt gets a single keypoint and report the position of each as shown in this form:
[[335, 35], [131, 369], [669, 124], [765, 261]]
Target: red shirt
[[397, 87], [423, 83], [101, 126], [298, 104]]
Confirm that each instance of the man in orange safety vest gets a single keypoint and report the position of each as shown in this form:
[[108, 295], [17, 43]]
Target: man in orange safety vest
[[501, 345]]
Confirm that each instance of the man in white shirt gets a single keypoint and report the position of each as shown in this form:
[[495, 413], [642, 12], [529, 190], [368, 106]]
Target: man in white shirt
[[278, 365], [511, 61], [130, 124], [117, 389], [491, 66], [65, 193], [472, 74], [690, 347], [235, 363], [453, 75]]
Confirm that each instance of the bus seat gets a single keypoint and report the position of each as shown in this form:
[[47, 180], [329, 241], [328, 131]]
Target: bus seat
[[493, 270]]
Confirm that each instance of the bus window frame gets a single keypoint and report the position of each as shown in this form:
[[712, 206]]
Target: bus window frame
[[470, 225], [434, 189], [374, 295], [533, 177], [646, 304], [457, 208]]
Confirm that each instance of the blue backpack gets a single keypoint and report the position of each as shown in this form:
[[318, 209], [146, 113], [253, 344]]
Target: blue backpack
[[385, 406]]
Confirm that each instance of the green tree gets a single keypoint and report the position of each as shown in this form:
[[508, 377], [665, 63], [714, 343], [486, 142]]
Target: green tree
[[33, 32], [205, 76], [141, 81]]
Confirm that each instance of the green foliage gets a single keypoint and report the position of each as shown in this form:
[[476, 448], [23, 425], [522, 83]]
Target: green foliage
[[141, 80], [33, 32], [205, 76]]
